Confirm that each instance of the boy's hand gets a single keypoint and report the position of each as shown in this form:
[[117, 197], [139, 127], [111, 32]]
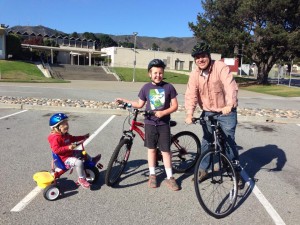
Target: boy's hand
[[119, 101], [158, 114]]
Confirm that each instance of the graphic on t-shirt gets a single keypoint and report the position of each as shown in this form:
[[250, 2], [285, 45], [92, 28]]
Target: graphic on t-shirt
[[157, 98]]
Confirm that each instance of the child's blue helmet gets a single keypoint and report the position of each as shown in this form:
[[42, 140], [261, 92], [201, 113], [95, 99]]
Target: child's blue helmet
[[56, 119]]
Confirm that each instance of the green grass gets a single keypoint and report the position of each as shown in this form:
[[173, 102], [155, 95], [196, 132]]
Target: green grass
[[141, 75], [16, 71], [278, 90]]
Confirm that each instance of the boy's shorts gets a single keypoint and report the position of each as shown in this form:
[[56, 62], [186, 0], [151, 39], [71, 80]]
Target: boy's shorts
[[158, 136]]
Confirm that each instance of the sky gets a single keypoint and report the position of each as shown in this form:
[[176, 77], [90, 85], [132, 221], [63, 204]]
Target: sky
[[156, 18]]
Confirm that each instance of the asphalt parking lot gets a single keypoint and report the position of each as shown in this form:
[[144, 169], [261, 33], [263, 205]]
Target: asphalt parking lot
[[267, 149], [268, 153]]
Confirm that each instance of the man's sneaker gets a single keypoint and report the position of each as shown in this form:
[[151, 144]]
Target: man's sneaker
[[202, 175], [216, 167], [83, 182], [240, 181], [96, 158], [152, 183], [171, 183]]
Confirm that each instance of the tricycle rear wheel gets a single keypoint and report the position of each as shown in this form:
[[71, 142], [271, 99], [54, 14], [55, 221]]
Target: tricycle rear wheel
[[51, 192]]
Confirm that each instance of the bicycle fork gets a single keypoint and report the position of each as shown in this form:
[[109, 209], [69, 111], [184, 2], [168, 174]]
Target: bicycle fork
[[128, 145]]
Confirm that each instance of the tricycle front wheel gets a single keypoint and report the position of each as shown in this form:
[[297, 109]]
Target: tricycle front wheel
[[92, 174]]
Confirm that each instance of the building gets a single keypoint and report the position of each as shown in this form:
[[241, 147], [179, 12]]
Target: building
[[2, 42], [125, 57], [84, 52]]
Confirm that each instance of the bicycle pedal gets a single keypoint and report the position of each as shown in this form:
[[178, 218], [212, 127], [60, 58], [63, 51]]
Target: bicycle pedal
[[99, 166]]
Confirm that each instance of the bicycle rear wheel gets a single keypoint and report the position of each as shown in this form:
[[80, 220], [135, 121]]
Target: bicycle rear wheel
[[118, 162], [185, 149], [215, 183]]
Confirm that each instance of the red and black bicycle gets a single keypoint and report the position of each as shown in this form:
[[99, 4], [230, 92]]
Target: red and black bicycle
[[185, 147]]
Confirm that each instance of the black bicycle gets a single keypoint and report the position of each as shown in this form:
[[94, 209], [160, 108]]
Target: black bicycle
[[216, 175], [185, 147]]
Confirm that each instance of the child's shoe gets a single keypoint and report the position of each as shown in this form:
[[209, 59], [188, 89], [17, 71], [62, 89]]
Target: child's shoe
[[152, 183], [83, 182], [172, 184]]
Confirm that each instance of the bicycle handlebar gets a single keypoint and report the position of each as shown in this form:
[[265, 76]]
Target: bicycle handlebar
[[214, 116], [128, 106]]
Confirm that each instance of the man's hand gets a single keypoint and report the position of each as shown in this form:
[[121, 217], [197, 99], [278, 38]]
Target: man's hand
[[226, 110], [188, 119]]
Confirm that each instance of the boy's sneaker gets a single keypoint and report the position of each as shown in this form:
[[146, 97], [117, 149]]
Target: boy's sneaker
[[96, 158], [83, 182], [171, 183], [152, 183]]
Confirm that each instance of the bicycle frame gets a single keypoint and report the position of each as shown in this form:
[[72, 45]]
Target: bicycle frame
[[135, 125], [219, 142]]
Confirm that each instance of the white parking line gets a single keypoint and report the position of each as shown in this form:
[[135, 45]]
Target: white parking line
[[266, 204], [25, 201], [12, 114]]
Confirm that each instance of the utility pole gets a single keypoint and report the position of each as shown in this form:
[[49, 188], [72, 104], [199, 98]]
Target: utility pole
[[134, 62]]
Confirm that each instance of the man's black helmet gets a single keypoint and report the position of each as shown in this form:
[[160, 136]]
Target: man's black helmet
[[200, 48], [156, 63]]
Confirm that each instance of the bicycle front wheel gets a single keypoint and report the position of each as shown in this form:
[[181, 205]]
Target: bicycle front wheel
[[215, 183], [118, 162], [185, 149]]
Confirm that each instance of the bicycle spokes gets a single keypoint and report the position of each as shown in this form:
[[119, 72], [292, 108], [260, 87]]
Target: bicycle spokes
[[217, 190]]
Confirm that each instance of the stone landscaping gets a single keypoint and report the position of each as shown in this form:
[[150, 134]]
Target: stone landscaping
[[274, 113]]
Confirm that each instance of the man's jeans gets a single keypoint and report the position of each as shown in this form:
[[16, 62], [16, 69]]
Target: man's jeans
[[228, 124]]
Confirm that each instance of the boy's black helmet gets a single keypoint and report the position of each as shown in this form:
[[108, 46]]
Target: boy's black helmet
[[200, 48], [156, 63]]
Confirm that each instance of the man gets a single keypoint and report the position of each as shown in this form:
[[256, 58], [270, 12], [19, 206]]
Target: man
[[212, 86]]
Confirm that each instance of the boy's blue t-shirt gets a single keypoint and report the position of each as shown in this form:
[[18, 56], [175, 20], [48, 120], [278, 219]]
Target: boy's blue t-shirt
[[157, 97]]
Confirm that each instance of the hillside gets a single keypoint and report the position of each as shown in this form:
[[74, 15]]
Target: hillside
[[184, 44]]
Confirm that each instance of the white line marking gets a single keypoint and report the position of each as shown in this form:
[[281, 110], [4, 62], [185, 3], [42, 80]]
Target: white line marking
[[98, 130], [266, 204], [25, 201], [12, 114], [21, 92], [298, 125]]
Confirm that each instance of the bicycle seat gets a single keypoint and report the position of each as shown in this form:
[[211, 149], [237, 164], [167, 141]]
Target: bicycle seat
[[173, 123], [58, 162]]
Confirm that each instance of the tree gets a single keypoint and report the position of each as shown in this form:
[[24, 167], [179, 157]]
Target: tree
[[74, 35], [169, 49], [269, 30], [155, 47], [89, 36], [106, 41], [13, 46]]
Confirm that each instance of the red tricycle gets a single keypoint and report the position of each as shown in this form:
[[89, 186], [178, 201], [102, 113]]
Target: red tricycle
[[48, 180]]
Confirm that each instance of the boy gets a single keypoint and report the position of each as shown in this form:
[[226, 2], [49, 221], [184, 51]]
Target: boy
[[159, 97]]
